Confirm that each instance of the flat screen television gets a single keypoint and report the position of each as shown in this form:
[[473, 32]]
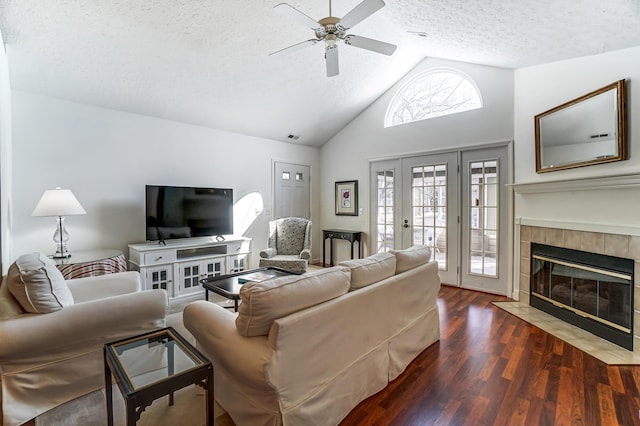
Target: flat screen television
[[184, 212]]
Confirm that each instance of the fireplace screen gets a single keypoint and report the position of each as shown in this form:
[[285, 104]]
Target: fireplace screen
[[592, 291]]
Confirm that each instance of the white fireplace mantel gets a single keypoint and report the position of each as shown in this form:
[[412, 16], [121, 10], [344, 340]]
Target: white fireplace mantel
[[627, 180]]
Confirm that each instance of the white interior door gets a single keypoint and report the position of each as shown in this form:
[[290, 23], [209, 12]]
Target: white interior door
[[292, 190], [485, 220]]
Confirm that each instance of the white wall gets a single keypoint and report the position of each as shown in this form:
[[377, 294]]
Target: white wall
[[106, 157], [5, 161], [543, 87], [347, 155]]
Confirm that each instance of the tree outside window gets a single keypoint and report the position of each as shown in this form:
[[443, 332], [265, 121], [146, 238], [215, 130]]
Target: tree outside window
[[433, 93]]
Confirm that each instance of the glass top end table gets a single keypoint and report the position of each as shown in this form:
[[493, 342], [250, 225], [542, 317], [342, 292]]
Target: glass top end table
[[151, 365]]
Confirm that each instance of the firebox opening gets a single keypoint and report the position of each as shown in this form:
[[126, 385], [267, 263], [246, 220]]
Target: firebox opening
[[589, 290]]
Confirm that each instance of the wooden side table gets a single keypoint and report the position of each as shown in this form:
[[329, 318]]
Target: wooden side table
[[340, 234], [89, 263], [153, 365]]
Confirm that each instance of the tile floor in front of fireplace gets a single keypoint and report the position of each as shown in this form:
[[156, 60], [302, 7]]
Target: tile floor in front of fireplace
[[605, 351]]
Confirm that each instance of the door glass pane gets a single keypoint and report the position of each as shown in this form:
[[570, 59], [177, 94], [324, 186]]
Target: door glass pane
[[483, 217], [384, 221], [429, 206]]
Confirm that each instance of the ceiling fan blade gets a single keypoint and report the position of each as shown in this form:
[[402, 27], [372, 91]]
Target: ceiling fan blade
[[294, 14], [331, 57], [296, 46], [358, 13], [370, 44]]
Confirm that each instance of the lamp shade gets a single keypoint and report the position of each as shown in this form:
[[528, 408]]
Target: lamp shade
[[58, 202]]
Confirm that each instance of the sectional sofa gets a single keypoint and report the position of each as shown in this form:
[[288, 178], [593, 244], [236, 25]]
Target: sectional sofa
[[307, 349]]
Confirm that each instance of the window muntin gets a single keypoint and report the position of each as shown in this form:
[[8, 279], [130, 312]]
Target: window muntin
[[429, 205], [384, 211], [483, 217], [433, 93]]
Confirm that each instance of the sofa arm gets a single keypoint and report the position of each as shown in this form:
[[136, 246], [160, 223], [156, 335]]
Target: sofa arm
[[102, 286], [214, 329], [267, 253], [82, 326], [305, 254]]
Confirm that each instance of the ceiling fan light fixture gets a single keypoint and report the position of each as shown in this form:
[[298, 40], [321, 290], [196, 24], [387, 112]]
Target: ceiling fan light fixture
[[331, 29]]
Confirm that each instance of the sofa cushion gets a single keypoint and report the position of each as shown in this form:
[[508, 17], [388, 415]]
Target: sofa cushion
[[412, 257], [289, 262], [266, 301], [38, 285], [370, 269]]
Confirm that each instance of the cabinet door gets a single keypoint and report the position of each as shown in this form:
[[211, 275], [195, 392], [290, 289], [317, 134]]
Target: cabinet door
[[190, 275], [192, 272], [238, 263], [160, 277], [214, 267]]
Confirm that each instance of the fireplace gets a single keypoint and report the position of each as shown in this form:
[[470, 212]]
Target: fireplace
[[589, 290]]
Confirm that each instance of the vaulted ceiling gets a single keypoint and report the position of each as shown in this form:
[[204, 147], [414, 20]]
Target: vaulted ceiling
[[207, 62]]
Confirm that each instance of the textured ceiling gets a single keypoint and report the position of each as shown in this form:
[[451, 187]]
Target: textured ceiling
[[207, 63]]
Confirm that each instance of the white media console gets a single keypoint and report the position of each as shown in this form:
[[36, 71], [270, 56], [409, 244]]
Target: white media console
[[177, 266]]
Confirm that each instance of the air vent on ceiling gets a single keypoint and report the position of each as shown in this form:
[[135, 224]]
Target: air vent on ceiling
[[422, 34]]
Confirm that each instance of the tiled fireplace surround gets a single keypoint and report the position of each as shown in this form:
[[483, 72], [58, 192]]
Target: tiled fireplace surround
[[613, 244]]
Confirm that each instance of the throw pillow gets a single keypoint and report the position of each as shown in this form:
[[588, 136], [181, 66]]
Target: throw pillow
[[411, 258], [371, 269], [266, 301], [38, 285], [9, 306]]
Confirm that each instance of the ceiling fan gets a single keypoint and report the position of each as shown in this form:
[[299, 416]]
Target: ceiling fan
[[332, 29]]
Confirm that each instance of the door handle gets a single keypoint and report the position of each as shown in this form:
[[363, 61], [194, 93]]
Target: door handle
[[405, 224]]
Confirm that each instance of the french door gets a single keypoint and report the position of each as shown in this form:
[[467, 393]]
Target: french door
[[485, 220], [452, 202], [430, 209], [412, 204]]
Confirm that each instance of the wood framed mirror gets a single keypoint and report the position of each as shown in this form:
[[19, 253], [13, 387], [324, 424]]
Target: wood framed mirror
[[585, 131]]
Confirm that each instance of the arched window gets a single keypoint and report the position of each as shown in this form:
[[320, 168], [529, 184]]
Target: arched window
[[433, 93]]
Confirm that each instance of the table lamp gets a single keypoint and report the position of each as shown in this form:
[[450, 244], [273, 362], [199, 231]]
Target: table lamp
[[58, 203]]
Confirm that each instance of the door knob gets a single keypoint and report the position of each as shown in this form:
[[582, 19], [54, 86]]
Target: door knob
[[405, 224]]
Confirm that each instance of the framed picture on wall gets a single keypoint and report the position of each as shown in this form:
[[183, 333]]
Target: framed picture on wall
[[347, 198]]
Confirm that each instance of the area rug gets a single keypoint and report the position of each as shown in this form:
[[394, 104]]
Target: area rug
[[602, 349], [188, 408]]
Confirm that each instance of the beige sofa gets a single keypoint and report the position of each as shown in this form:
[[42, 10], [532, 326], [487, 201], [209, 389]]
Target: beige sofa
[[307, 349], [47, 359]]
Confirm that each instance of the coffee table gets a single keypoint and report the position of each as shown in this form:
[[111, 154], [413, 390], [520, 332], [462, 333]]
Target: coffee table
[[151, 365], [229, 285]]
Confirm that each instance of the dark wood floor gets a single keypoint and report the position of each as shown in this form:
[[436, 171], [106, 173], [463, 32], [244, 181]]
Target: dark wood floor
[[491, 368]]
